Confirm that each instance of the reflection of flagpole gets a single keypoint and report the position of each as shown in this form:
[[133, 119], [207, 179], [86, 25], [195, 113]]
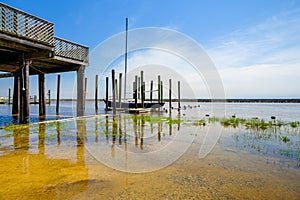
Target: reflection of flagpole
[[125, 58]]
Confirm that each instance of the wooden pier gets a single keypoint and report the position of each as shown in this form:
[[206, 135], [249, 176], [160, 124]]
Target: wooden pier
[[28, 47]]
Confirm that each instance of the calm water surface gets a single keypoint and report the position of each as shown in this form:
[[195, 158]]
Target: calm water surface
[[151, 156]]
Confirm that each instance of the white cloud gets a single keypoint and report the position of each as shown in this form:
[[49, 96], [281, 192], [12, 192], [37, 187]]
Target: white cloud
[[274, 41], [262, 61], [262, 81]]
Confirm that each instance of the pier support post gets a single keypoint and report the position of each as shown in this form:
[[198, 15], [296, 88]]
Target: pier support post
[[96, 93], [24, 94], [142, 88], [161, 91], [151, 91], [58, 94], [49, 97], [42, 95], [106, 95], [113, 82], [9, 96], [135, 91], [120, 90], [16, 96], [80, 91], [158, 89]]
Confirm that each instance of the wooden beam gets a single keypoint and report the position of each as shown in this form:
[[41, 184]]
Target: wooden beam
[[6, 75]]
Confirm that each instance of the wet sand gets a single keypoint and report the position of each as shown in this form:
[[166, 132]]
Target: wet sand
[[223, 174]]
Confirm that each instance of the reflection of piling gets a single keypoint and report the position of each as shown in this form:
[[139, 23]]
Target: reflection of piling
[[42, 136], [142, 132], [106, 128], [96, 130], [58, 132], [96, 93], [113, 90], [120, 130], [58, 93]]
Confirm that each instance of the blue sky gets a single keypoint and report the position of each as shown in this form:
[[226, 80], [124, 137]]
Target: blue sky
[[254, 44]]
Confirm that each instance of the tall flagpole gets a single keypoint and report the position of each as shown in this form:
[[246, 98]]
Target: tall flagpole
[[125, 58]]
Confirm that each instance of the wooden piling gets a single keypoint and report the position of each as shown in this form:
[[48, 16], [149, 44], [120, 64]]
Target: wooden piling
[[58, 94], [151, 90], [170, 95], [125, 80], [24, 108], [9, 96], [35, 99], [116, 89], [85, 89], [158, 89], [96, 93], [179, 107], [120, 90], [106, 94], [136, 91], [142, 88], [16, 96], [81, 91], [42, 95], [113, 90], [49, 97], [139, 88], [161, 92]]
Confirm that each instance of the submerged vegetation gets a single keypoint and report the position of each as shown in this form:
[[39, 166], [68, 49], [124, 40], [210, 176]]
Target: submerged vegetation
[[264, 136]]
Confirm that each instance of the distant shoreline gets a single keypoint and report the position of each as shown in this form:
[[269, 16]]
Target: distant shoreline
[[217, 100]]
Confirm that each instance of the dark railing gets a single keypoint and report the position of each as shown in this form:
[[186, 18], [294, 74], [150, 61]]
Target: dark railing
[[17, 22], [67, 49], [21, 24]]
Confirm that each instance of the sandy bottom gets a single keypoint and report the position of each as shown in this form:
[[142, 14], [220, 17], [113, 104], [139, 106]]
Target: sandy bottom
[[226, 173]]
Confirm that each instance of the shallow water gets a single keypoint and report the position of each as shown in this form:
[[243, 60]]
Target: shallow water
[[149, 157]]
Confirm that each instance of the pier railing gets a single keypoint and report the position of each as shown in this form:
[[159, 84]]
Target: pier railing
[[23, 25], [14, 21], [67, 49]]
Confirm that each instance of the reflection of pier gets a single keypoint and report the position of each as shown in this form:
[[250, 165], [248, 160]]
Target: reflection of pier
[[28, 47], [132, 130], [39, 169]]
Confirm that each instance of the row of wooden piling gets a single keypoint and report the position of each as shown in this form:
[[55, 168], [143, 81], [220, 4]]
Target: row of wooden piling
[[138, 91]]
